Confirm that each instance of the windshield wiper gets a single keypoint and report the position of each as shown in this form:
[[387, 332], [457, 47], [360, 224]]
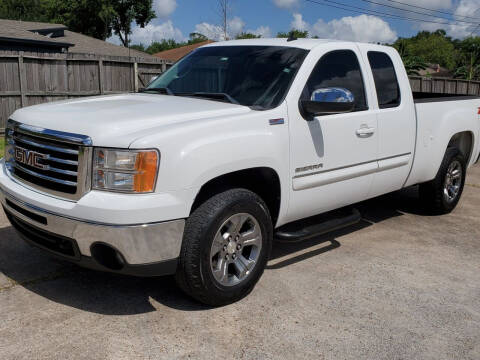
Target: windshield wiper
[[162, 90], [214, 96]]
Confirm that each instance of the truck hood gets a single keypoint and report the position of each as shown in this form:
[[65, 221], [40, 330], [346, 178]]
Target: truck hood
[[118, 120]]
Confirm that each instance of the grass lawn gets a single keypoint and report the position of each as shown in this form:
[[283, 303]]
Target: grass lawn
[[2, 146]]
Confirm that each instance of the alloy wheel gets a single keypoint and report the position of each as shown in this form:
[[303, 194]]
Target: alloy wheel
[[236, 249], [453, 181]]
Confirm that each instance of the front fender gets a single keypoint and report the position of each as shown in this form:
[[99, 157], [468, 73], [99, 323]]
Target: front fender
[[196, 152]]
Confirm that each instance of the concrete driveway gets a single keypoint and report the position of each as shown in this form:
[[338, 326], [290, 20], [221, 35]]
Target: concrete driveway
[[399, 285]]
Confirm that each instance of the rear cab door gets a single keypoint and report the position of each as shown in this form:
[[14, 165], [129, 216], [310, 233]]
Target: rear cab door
[[333, 158], [396, 119]]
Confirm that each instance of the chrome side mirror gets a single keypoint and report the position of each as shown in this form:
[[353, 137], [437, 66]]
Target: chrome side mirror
[[327, 101], [338, 95]]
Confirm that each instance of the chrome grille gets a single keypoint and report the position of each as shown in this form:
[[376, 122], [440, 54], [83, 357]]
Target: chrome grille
[[54, 162]]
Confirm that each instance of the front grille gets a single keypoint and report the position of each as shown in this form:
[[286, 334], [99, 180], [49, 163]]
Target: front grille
[[55, 162], [61, 172]]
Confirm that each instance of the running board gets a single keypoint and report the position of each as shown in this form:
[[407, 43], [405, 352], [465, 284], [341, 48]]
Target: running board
[[317, 225]]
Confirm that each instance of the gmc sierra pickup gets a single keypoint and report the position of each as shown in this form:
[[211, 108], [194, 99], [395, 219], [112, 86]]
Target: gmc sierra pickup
[[227, 150]]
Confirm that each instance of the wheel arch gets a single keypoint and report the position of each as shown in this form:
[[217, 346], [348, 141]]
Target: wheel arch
[[264, 181], [464, 141], [454, 129]]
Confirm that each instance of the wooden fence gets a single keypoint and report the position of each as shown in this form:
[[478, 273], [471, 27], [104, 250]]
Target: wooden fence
[[444, 85], [34, 78]]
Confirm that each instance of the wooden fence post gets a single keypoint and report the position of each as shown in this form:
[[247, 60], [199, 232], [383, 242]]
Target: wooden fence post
[[23, 79], [100, 76], [135, 76], [66, 84]]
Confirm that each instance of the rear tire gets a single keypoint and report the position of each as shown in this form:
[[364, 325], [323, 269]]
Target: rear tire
[[226, 246], [442, 194]]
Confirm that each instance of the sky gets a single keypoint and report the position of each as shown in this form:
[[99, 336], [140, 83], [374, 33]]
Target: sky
[[176, 19]]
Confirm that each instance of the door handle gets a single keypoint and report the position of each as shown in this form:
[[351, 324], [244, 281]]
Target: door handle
[[365, 131]]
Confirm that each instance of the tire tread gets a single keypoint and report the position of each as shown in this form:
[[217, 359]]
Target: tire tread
[[431, 192], [189, 273]]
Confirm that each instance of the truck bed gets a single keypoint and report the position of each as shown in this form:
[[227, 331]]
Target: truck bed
[[424, 97], [438, 117]]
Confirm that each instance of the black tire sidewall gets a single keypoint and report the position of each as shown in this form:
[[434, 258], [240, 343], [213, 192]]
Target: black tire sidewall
[[260, 214], [433, 191], [195, 275], [455, 155]]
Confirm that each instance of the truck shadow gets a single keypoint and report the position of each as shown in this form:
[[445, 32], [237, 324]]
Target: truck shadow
[[373, 211], [111, 294]]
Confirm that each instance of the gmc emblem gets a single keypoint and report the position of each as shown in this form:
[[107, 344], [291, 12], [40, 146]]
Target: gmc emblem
[[30, 158]]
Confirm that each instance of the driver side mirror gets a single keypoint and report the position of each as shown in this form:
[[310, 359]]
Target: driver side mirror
[[327, 101]]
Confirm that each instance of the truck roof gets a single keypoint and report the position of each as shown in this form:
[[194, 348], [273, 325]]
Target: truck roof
[[302, 43]]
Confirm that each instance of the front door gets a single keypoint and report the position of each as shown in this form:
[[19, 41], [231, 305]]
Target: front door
[[333, 157]]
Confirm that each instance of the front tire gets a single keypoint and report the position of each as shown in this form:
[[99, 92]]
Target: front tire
[[226, 246], [442, 194]]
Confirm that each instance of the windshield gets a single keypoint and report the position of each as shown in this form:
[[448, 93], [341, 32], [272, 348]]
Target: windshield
[[255, 76]]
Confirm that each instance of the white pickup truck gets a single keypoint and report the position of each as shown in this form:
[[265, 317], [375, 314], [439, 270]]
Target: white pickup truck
[[227, 150]]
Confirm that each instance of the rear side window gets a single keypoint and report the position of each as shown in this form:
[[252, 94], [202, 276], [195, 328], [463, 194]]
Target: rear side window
[[386, 83], [339, 68]]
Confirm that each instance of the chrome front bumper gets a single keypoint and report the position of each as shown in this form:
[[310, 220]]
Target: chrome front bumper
[[139, 244]]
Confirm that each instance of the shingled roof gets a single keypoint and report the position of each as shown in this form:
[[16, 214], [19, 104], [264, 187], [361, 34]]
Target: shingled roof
[[58, 36], [31, 33], [178, 53]]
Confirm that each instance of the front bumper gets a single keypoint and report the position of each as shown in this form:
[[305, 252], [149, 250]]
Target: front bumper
[[147, 249]]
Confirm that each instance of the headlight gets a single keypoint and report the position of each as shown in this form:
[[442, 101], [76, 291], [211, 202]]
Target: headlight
[[132, 171]]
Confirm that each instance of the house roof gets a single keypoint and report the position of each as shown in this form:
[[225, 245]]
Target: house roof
[[27, 32], [86, 44], [435, 70], [41, 34], [178, 53]]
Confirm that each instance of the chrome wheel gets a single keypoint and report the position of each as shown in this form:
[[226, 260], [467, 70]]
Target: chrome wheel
[[235, 249], [453, 181]]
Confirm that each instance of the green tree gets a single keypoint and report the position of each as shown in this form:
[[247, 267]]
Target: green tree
[[167, 44], [196, 38], [90, 17], [296, 33], [413, 64], [163, 45], [468, 55], [245, 35], [128, 11], [431, 47], [97, 18], [25, 10], [138, 47]]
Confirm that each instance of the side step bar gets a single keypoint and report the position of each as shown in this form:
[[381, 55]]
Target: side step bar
[[317, 225]]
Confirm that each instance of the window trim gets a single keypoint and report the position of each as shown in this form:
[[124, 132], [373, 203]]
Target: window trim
[[362, 76], [387, 106]]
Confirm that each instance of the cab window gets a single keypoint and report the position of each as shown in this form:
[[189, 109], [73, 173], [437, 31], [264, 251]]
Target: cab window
[[386, 83], [339, 68]]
